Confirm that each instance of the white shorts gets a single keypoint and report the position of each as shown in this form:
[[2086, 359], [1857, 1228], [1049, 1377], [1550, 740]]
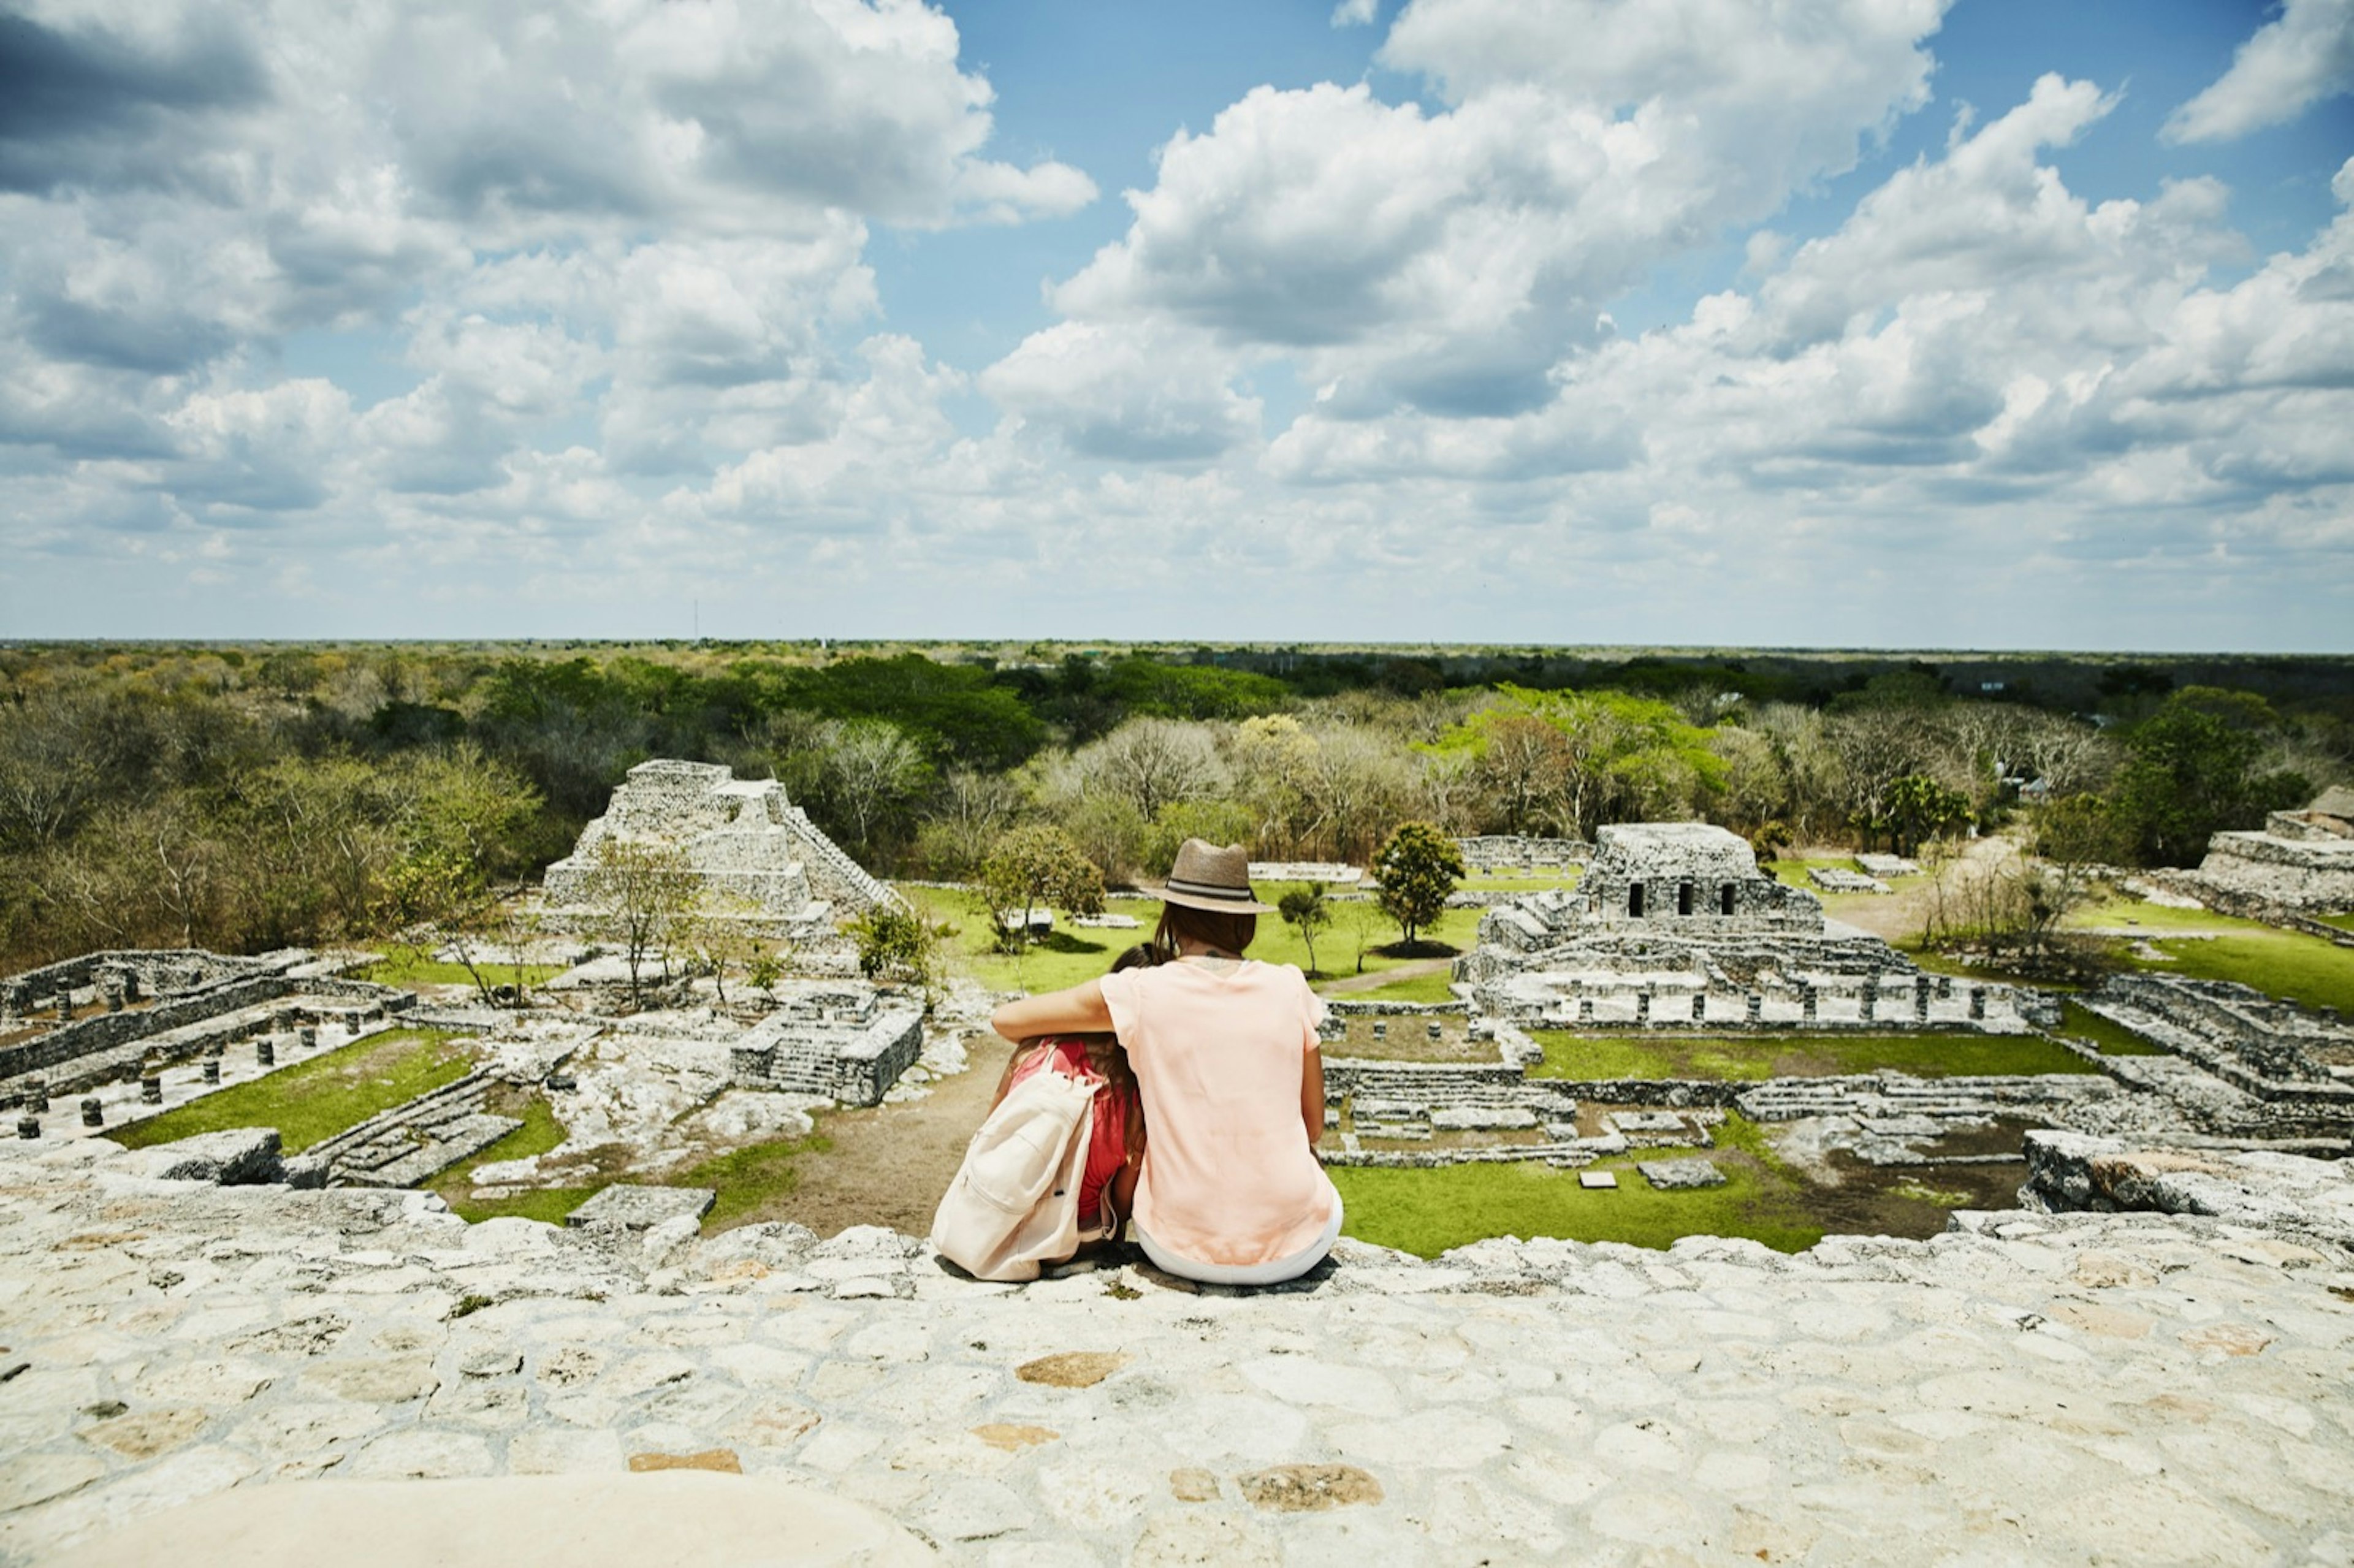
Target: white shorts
[[1274, 1272]]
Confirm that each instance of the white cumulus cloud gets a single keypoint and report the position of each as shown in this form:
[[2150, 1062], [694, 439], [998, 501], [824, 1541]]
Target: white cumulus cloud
[[2301, 57]]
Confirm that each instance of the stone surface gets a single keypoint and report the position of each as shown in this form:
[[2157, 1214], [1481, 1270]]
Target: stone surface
[[2029, 1387], [1680, 1175], [682, 1520], [636, 1208]]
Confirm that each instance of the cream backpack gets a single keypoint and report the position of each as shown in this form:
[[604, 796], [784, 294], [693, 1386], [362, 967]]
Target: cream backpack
[[1015, 1204]]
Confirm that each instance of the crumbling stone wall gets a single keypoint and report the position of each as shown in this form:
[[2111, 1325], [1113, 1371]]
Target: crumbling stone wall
[[1489, 853]]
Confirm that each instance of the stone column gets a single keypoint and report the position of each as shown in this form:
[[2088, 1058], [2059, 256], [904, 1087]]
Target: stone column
[[1921, 999], [1643, 1006], [309, 1036], [151, 1090], [1586, 1010], [1868, 995], [1807, 1001], [1977, 1003], [1752, 1006], [1434, 1029], [265, 1050], [93, 1114], [28, 1127], [65, 1005], [37, 1094], [212, 1070]]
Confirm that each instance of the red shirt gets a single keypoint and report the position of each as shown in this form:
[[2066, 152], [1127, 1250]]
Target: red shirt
[[1108, 1145]]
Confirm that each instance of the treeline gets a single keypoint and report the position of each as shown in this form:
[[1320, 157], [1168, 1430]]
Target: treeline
[[245, 798]]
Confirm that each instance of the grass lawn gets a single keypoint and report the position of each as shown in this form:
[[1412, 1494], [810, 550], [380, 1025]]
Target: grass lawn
[[2343, 921], [2119, 910], [1418, 988], [2286, 964], [1075, 953], [318, 1099], [1427, 1212], [545, 1204], [414, 970], [746, 1177], [539, 1133], [1508, 882], [2109, 1039], [1735, 1059]]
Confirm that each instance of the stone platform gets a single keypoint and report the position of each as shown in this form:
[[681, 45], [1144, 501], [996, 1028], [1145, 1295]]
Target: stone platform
[[2027, 1388]]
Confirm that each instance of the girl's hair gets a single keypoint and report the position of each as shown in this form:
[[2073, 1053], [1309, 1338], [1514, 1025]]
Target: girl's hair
[[1212, 927], [1104, 1053]]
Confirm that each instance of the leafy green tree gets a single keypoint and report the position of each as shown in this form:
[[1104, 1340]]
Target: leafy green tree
[[1418, 866], [897, 944], [2190, 773], [1311, 911], [1032, 868], [1912, 809]]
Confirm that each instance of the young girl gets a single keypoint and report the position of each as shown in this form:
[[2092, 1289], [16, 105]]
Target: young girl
[[1116, 1145]]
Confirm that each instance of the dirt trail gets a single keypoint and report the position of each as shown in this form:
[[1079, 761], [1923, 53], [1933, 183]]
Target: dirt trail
[[890, 1164], [1412, 968]]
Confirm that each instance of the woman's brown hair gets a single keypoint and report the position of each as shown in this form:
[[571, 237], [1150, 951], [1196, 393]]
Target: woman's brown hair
[[1228, 933]]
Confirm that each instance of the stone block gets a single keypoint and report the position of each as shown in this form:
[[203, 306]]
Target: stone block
[[636, 1208], [1597, 1178], [1482, 1119], [238, 1156], [1680, 1175]]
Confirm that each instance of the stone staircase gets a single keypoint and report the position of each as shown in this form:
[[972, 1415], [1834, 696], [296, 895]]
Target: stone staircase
[[409, 1143]]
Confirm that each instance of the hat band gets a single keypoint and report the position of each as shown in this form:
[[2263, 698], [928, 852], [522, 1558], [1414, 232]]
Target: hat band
[[1210, 890]]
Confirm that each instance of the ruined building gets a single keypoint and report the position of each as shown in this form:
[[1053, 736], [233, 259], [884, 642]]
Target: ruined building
[[1674, 924], [2304, 860], [755, 851]]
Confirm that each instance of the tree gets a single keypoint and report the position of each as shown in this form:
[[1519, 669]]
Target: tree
[[897, 944], [643, 895], [1913, 809], [1034, 868], [1418, 866], [1308, 908], [872, 770], [2190, 773]]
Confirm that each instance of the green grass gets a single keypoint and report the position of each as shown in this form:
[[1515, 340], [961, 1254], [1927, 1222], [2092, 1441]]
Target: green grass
[[2121, 910], [1427, 1212], [745, 1178], [411, 969], [320, 1097], [2110, 1039], [1420, 987], [539, 1133], [1508, 882], [1075, 953], [545, 1204], [2343, 921], [1749, 1059], [2290, 965]]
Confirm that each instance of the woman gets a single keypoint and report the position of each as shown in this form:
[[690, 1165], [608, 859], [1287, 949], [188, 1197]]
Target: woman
[[1115, 1144], [1224, 1049]]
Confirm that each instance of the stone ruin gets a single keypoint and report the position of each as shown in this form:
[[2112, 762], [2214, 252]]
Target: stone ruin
[[2300, 861], [757, 855], [132, 1034], [1486, 854], [1674, 927], [842, 1039], [2243, 1065]]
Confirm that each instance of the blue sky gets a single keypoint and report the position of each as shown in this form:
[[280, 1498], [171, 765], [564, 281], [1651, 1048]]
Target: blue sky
[[1845, 323]]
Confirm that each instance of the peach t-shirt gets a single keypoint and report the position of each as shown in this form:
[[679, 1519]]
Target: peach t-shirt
[[1220, 1053]]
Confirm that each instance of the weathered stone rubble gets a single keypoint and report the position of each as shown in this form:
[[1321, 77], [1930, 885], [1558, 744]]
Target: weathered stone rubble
[[2121, 1388], [2302, 860]]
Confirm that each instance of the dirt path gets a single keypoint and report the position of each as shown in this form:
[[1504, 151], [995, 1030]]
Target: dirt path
[[1411, 969], [888, 1165]]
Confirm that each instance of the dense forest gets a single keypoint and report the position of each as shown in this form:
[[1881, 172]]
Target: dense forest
[[246, 797]]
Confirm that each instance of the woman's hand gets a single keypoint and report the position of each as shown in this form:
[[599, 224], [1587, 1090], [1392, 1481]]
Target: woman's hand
[[1081, 1010]]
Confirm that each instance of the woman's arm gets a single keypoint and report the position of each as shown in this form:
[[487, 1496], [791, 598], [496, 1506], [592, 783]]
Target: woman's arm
[[1311, 1097], [1081, 1010]]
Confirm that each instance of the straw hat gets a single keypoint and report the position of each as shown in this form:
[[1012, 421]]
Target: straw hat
[[1209, 877]]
